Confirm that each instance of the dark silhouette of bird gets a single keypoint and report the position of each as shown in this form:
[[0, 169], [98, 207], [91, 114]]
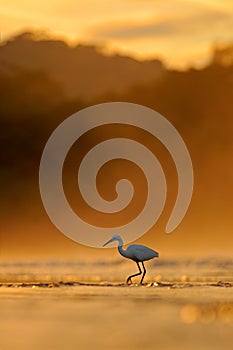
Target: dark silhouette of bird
[[136, 252]]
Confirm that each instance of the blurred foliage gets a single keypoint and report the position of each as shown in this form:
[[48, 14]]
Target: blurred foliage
[[197, 102]]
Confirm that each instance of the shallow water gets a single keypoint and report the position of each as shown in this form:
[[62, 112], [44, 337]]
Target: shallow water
[[76, 305], [171, 270]]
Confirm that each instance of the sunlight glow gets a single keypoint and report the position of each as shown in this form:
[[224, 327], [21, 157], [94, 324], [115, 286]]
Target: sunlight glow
[[180, 31]]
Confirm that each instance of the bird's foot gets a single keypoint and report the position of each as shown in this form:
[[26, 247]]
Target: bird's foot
[[129, 281]]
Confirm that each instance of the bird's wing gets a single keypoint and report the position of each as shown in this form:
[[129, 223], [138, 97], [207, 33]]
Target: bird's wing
[[141, 253]]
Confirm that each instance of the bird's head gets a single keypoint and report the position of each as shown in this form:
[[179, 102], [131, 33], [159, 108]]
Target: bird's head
[[114, 238]]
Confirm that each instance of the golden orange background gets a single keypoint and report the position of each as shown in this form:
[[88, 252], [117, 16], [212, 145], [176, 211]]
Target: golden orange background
[[58, 57]]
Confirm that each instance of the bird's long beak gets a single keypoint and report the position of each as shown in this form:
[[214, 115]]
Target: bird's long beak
[[111, 240]]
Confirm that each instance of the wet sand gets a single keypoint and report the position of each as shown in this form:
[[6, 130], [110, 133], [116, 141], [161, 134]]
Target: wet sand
[[165, 315]]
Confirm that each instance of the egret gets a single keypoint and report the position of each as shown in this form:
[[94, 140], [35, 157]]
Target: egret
[[136, 252]]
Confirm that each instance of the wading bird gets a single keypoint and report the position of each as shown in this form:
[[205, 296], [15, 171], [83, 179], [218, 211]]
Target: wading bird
[[135, 252]]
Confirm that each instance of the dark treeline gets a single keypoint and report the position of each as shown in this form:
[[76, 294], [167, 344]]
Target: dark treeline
[[198, 102]]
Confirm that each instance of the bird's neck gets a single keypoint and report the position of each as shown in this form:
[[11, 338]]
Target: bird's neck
[[121, 250]]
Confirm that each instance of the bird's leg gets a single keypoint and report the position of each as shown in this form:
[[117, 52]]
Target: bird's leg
[[136, 274], [144, 272]]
